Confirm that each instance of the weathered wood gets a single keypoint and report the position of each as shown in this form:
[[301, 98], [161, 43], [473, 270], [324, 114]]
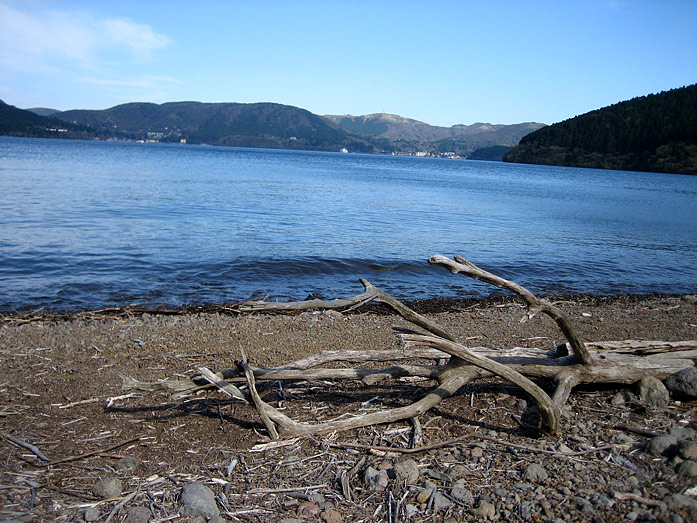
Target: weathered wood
[[571, 364], [535, 304]]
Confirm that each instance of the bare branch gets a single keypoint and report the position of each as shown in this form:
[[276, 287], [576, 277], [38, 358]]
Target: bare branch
[[535, 304]]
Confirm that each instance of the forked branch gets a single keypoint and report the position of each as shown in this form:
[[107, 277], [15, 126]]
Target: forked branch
[[535, 304], [609, 362]]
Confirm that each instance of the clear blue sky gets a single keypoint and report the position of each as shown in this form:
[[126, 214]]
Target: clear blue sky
[[442, 62]]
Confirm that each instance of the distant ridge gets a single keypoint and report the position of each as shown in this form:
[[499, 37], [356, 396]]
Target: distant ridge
[[234, 124], [405, 134], [43, 111], [269, 125], [656, 133]]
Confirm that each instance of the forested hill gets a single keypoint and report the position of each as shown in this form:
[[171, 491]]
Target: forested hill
[[233, 124], [19, 122], [656, 133]]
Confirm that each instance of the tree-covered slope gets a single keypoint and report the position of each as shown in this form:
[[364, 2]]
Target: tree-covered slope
[[252, 125], [655, 133], [19, 122]]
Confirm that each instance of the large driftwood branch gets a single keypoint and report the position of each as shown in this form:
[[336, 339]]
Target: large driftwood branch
[[621, 363], [548, 410], [535, 304]]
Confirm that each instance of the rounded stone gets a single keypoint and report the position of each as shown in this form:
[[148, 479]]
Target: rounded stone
[[652, 392], [92, 514], [198, 500], [440, 502], [138, 515], [535, 472], [107, 488], [484, 510], [331, 515], [661, 445], [687, 468], [424, 495], [406, 470], [683, 384], [307, 509], [687, 450]]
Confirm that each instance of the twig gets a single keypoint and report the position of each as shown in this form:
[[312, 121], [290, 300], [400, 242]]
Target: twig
[[280, 490], [75, 403], [636, 430], [416, 433], [94, 453], [26, 445], [120, 506], [624, 496]]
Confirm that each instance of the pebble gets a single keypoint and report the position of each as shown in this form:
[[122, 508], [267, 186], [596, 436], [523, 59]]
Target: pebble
[[331, 515], [662, 445], [198, 500], [618, 399], [126, 464], [107, 488], [424, 495], [687, 468], [440, 502], [406, 470], [138, 515], [437, 475], [653, 393], [458, 471], [462, 494], [484, 510], [307, 509], [92, 514], [535, 472], [374, 479], [526, 511], [687, 450], [683, 384]]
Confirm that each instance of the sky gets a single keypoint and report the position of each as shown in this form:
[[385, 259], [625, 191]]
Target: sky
[[443, 62]]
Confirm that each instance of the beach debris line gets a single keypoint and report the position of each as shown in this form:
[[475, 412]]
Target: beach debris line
[[571, 364]]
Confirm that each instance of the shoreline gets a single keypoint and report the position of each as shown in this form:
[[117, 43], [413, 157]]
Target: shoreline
[[427, 305]]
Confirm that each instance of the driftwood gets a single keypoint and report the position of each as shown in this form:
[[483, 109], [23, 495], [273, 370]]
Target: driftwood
[[571, 364]]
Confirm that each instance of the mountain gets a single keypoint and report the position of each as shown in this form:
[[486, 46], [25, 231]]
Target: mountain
[[656, 133], [42, 111], [269, 125], [409, 136], [19, 122], [233, 124]]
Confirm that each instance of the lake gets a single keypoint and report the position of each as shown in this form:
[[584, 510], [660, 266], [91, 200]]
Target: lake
[[87, 224]]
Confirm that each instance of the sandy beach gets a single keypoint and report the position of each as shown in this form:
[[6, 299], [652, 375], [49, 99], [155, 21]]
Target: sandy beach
[[60, 375]]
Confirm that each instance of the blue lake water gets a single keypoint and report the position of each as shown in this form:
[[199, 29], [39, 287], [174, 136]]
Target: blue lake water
[[92, 224]]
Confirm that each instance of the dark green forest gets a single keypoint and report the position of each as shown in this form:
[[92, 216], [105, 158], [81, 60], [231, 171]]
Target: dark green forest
[[18, 122], [656, 133]]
